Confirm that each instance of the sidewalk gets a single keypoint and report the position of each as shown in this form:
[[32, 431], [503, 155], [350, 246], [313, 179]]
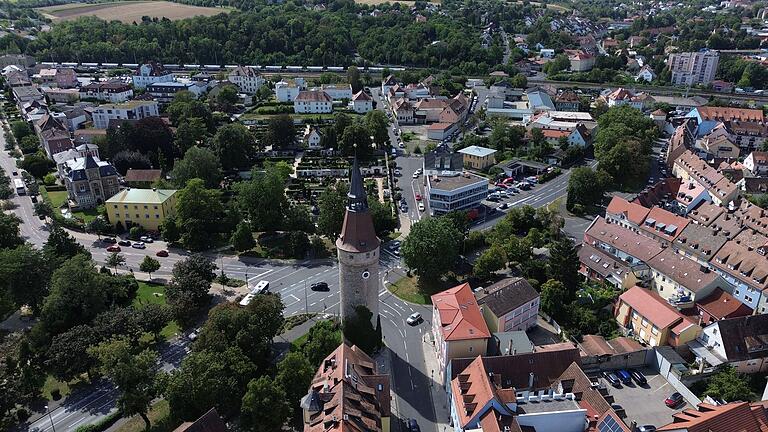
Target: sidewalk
[[439, 398]]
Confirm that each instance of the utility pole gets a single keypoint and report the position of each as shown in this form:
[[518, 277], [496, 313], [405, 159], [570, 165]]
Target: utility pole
[[50, 418], [306, 302]]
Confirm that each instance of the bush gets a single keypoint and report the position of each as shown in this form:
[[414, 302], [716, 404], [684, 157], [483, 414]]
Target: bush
[[49, 179], [101, 425], [135, 232]]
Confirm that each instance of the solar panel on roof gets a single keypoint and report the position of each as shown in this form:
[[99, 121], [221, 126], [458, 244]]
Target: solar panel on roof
[[610, 424]]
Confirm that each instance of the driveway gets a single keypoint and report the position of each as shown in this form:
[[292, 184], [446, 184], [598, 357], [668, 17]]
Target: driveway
[[645, 405]]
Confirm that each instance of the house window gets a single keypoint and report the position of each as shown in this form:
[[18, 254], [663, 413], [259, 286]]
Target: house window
[[146, 216], [471, 349], [645, 322], [655, 330]]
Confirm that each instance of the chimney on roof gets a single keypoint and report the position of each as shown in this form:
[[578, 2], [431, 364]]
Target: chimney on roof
[[531, 378]]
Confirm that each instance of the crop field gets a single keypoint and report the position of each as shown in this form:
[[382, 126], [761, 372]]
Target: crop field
[[128, 11]]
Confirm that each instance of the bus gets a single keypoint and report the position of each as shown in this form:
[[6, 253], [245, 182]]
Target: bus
[[19, 186], [261, 288]]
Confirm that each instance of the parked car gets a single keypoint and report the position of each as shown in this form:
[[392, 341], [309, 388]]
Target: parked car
[[646, 428], [193, 335], [418, 197], [113, 249], [404, 209], [146, 239], [413, 426], [416, 175], [139, 245], [33, 198], [124, 242], [503, 206], [414, 319], [162, 253], [624, 376], [673, 400], [421, 206], [319, 286], [638, 377], [612, 379], [110, 240]]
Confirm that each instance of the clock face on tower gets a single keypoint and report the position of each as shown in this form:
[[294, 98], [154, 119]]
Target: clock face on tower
[[366, 274]]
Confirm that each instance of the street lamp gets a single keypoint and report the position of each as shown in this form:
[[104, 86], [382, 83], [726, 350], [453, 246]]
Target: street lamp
[[50, 418]]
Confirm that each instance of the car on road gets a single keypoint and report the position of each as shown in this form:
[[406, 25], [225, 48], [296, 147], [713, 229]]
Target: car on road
[[113, 248], [414, 318], [193, 335], [646, 428], [413, 426], [418, 197], [416, 175], [612, 379], [319, 286], [421, 206], [15, 173], [162, 253], [139, 245], [401, 145], [638, 377], [124, 242], [146, 239], [673, 400], [404, 208], [394, 244], [503, 206], [624, 376], [33, 198], [110, 240]]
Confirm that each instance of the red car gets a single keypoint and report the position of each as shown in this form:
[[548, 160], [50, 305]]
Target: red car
[[418, 197], [673, 400], [113, 248], [162, 253]]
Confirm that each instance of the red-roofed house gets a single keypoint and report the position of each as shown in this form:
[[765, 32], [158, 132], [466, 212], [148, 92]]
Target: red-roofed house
[[732, 417], [627, 214], [663, 225], [652, 320], [361, 102], [458, 327], [757, 163]]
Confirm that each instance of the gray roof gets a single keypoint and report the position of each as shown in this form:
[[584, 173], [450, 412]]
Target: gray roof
[[442, 159], [745, 338], [477, 151], [506, 295]]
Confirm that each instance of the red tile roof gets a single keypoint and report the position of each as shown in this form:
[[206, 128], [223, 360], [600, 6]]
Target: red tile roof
[[630, 242], [313, 96], [731, 114], [659, 216], [472, 390], [721, 305], [732, 417], [361, 96], [634, 212], [652, 307], [459, 315]]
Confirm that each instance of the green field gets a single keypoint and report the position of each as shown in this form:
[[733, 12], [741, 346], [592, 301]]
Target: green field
[[153, 293], [59, 198]]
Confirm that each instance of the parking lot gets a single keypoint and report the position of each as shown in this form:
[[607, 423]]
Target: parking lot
[[645, 405]]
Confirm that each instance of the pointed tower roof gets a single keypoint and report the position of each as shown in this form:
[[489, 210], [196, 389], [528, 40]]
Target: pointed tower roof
[[357, 233]]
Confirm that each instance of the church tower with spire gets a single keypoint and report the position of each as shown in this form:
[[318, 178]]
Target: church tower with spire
[[358, 253]]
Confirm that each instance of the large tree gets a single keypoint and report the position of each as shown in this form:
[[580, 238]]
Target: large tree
[[262, 200], [280, 133], [264, 407], [133, 373], [24, 274], [378, 127], [586, 187], [554, 297], [564, 265], [432, 248], [294, 374], [149, 265], [332, 205], [730, 386], [198, 162], [9, 231], [209, 379], [242, 238], [188, 289], [198, 214], [234, 145], [67, 357], [322, 339]]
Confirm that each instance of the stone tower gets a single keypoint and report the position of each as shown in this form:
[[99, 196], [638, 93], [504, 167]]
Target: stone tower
[[358, 252]]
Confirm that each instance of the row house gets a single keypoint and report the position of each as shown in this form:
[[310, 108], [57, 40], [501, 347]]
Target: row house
[[107, 91], [741, 342], [131, 110], [624, 244], [689, 167], [568, 100], [663, 226], [54, 136], [747, 125], [247, 79], [744, 265], [701, 242], [757, 163], [599, 265], [719, 143], [361, 102], [741, 416], [649, 318], [61, 77], [165, 92], [682, 281], [337, 92], [510, 304]]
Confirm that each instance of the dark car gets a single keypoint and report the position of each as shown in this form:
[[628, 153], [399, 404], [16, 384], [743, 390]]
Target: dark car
[[110, 240], [612, 379], [33, 198], [624, 376], [673, 400], [124, 242], [638, 377], [413, 426], [319, 286]]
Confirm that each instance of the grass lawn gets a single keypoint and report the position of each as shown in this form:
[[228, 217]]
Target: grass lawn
[[153, 293], [407, 289], [159, 416], [56, 198], [51, 384]]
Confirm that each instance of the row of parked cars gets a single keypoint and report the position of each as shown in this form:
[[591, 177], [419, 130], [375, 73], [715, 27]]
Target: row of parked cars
[[626, 377]]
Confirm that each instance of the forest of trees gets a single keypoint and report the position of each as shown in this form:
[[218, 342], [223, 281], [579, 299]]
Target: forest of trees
[[277, 34]]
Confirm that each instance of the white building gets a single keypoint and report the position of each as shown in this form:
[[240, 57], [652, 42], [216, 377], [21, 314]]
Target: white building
[[337, 92], [247, 79], [312, 137], [286, 91], [110, 91], [690, 68], [150, 73], [133, 110], [312, 101], [739, 342], [646, 74], [757, 163], [450, 190], [361, 103], [165, 92]]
